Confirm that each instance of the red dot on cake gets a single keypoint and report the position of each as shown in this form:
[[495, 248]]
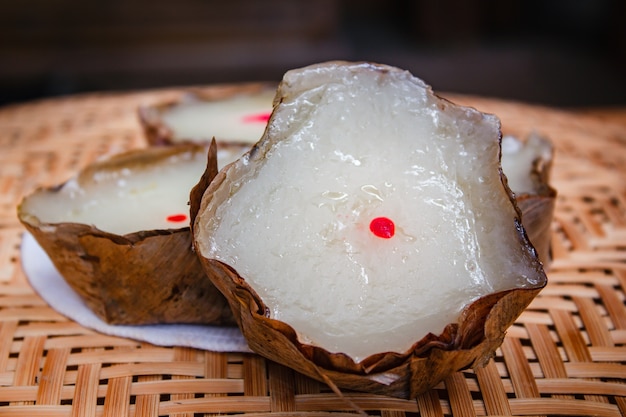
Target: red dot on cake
[[383, 227], [257, 118], [177, 218]]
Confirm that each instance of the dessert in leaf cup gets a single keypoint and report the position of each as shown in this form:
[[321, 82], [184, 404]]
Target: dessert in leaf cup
[[233, 114], [369, 239], [527, 164], [118, 232]]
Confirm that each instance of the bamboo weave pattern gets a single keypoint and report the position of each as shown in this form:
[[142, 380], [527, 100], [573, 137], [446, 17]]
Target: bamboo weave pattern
[[566, 355]]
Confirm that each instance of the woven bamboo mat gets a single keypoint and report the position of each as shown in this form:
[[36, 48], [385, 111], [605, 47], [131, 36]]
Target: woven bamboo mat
[[566, 355]]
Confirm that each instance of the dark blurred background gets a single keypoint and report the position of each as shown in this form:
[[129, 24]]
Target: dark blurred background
[[556, 52]]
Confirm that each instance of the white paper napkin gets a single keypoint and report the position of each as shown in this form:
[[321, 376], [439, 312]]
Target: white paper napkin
[[51, 286]]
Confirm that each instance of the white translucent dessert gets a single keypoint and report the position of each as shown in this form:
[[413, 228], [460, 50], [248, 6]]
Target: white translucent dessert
[[130, 199], [370, 213], [240, 118]]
